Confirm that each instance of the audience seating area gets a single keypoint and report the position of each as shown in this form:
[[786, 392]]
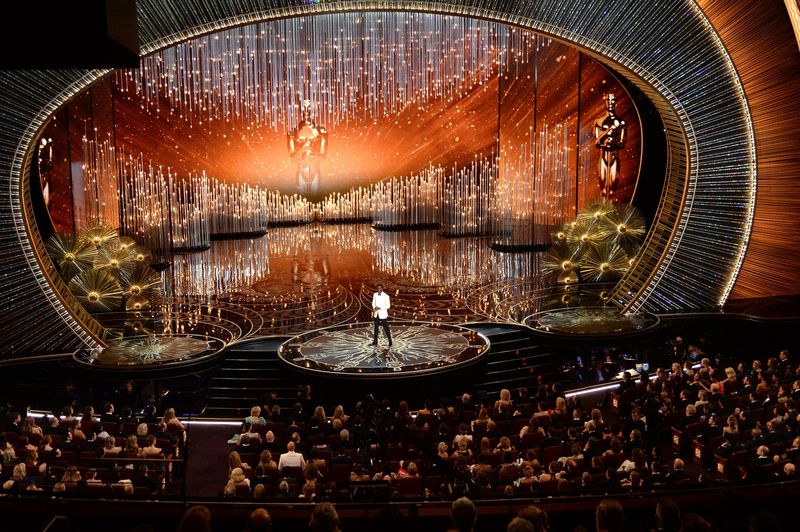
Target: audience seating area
[[693, 425], [89, 456]]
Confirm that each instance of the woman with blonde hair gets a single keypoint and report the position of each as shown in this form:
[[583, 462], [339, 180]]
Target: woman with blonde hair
[[504, 405], [170, 419], [260, 492], [110, 447], [71, 476], [319, 415], [132, 446], [17, 478], [561, 408], [142, 430], [339, 414], [255, 417], [485, 446], [237, 478]]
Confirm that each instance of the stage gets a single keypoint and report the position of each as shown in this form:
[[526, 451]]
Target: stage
[[417, 347]]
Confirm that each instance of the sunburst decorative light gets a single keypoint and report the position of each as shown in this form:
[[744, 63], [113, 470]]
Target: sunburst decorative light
[[137, 303], [117, 260], [142, 283], [562, 260], [583, 234], [72, 255], [141, 254], [126, 242], [97, 290], [599, 245], [604, 262], [596, 210], [625, 225], [98, 234]]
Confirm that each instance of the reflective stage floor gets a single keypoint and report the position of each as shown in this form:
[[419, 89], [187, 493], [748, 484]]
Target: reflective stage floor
[[295, 280]]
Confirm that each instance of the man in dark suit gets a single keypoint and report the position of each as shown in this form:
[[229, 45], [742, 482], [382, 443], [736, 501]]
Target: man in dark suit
[[108, 415], [339, 458], [678, 475], [142, 479]]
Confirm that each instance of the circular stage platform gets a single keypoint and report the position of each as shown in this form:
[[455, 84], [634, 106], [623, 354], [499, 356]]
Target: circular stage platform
[[417, 347], [150, 351], [592, 322]]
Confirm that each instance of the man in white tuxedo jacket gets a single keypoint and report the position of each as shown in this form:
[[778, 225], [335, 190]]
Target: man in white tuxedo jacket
[[380, 313]]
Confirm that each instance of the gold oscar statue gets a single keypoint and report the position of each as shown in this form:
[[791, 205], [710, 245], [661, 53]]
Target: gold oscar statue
[[609, 134], [308, 144]]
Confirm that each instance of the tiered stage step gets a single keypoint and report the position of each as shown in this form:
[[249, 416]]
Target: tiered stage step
[[247, 374], [515, 360]]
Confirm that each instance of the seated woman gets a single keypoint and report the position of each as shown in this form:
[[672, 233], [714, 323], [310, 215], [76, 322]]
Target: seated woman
[[358, 474], [265, 461], [142, 430], [308, 490], [463, 434], [32, 460], [171, 420], [46, 447], [132, 446], [236, 479], [441, 461], [76, 438], [504, 446], [318, 422], [339, 414], [462, 451], [91, 477], [18, 480], [29, 427], [67, 415], [480, 422], [485, 447], [235, 462], [528, 478], [71, 477], [504, 406], [481, 466], [151, 451], [110, 447], [314, 458], [255, 417]]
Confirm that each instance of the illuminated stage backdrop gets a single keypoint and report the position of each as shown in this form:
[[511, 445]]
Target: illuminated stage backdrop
[[491, 111]]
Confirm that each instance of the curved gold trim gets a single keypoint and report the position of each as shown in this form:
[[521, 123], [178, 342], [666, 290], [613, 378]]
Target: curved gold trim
[[75, 309], [678, 188]]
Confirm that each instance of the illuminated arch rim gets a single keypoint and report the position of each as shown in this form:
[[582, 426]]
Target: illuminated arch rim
[[667, 47]]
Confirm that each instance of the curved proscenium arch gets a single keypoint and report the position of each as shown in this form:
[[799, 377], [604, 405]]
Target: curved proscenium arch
[[695, 246]]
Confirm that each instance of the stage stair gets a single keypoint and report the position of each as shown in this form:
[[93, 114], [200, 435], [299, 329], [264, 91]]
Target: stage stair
[[245, 376]]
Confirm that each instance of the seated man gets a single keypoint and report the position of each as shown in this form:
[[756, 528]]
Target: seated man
[[291, 459]]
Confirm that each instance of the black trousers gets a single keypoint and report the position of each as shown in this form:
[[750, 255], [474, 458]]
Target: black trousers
[[385, 325]]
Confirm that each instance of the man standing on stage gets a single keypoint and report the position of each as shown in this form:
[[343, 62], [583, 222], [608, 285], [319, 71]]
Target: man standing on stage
[[380, 313]]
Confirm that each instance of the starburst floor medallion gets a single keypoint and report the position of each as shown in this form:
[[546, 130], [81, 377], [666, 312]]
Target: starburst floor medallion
[[416, 347]]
